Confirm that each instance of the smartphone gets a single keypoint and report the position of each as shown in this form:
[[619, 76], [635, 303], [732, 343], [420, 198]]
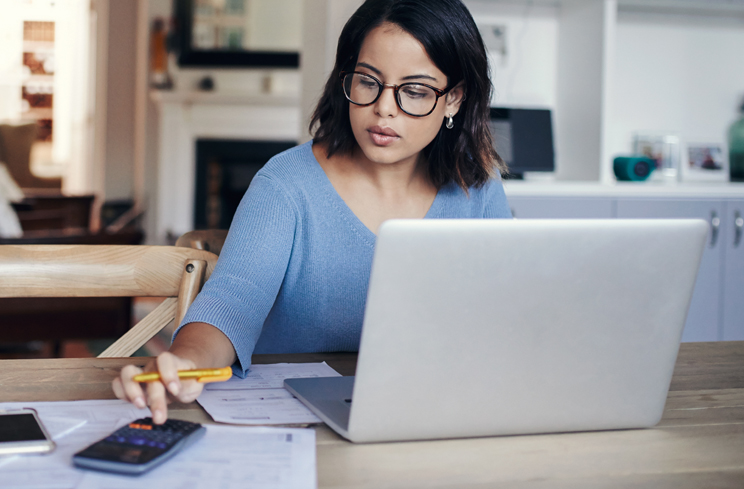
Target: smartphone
[[21, 431]]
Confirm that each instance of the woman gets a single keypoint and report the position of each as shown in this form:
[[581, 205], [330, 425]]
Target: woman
[[400, 131]]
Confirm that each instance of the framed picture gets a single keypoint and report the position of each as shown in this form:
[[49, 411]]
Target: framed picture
[[233, 33], [664, 149], [705, 162]]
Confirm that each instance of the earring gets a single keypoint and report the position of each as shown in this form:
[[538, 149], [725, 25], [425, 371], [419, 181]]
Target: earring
[[450, 122]]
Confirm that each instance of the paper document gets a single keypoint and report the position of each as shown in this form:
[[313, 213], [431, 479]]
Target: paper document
[[92, 419], [260, 398], [58, 427], [229, 457]]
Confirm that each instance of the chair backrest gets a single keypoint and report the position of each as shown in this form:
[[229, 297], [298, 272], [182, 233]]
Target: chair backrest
[[110, 271], [15, 152], [204, 239]]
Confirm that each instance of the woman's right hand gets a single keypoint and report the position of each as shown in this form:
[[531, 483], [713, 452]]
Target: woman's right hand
[[158, 394], [197, 345]]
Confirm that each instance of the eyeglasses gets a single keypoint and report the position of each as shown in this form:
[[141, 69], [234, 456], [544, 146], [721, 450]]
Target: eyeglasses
[[416, 99]]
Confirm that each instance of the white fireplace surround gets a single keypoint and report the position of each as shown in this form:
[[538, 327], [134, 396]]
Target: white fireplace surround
[[188, 116]]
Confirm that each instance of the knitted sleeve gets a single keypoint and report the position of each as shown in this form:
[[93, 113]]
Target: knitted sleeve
[[242, 289], [496, 205]]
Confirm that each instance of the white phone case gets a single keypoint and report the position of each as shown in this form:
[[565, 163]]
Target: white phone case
[[13, 442]]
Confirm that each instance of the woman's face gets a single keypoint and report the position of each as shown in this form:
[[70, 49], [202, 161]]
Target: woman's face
[[383, 131]]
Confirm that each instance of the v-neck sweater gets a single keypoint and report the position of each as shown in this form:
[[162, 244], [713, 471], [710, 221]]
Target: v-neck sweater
[[293, 273]]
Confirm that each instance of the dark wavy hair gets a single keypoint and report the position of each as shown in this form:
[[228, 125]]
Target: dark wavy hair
[[464, 154]]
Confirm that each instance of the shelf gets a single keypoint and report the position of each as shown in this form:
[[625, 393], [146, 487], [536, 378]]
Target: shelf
[[222, 98], [220, 21], [39, 79], [38, 113], [693, 7], [661, 6], [717, 190], [38, 46]]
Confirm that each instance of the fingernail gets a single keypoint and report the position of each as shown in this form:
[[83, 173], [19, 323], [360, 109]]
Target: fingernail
[[158, 416], [173, 387], [139, 402]]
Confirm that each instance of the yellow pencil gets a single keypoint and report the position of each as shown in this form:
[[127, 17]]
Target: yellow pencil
[[201, 375]]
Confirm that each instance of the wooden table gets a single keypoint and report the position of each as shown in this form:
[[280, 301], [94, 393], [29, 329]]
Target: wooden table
[[699, 443]]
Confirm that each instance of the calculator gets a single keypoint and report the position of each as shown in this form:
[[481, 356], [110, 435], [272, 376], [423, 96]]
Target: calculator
[[139, 446]]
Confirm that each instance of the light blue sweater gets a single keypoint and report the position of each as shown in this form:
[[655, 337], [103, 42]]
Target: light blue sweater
[[292, 276]]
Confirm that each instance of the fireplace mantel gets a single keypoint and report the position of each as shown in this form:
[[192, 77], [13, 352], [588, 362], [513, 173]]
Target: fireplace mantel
[[188, 116], [223, 98]]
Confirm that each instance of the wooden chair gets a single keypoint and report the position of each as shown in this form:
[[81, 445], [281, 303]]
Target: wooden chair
[[109, 271], [15, 151], [204, 239]]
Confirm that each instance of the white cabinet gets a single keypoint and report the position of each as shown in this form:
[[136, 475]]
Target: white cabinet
[[704, 316], [732, 236], [717, 307], [565, 208]]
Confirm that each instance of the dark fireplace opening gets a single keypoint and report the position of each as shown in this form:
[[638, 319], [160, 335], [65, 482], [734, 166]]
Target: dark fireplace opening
[[224, 170]]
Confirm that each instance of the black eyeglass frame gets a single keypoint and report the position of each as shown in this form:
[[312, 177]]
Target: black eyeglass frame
[[396, 88]]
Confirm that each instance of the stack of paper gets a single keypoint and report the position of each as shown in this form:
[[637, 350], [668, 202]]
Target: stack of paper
[[55, 470], [228, 457], [260, 398]]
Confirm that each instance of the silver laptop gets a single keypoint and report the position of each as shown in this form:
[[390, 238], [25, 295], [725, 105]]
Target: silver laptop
[[501, 327]]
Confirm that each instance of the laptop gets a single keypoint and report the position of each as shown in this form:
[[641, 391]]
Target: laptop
[[503, 327]]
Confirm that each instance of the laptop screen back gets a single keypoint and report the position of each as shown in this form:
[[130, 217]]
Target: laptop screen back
[[485, 327]]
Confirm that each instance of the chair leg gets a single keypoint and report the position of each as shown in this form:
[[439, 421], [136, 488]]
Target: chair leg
[[143, 331]]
